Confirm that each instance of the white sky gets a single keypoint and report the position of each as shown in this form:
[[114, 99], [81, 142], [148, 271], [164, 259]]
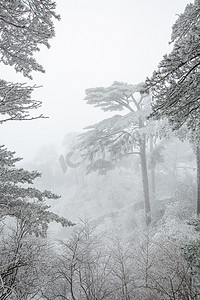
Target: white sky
[[96, 43]]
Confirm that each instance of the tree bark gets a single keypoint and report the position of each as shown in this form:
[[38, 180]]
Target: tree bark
[[198, 177], [153, 187], [145, 181]]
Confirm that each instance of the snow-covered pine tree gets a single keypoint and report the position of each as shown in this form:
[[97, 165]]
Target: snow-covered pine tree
[[175, 85], [24, 26], [120, 135], [22, 202], [24, 208]]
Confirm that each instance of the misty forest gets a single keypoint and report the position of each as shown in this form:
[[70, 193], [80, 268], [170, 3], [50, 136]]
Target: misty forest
[[115, 216]]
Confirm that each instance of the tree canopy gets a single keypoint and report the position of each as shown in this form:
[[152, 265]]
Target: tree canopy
[[120, 135], [175, 85], [24, 218], [24, 25], [19, 200]]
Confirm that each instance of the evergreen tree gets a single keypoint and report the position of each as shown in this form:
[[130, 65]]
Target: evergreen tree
[[25, 203], [24, 26], [29, 216], [175, 85], [120, 135]]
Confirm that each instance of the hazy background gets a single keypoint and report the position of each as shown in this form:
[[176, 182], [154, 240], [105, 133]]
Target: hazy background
[[96, 43]]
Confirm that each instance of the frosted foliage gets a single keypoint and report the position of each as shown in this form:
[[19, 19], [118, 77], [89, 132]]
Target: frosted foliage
[[21, 201], [24, 26], [118, 96], [98, 262], [118, 135], [138, 237], [16, 102], [24, 220], [175, 85]]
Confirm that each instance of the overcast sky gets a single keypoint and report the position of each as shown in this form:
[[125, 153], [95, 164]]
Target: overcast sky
[[97, 42]]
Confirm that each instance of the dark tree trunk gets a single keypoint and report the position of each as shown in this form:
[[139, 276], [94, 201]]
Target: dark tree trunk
[[198, 178], [153, 187], [145, 181]]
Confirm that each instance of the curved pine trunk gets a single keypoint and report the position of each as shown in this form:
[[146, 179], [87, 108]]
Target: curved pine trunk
[[145, 181], [198, 178], [153, 186]]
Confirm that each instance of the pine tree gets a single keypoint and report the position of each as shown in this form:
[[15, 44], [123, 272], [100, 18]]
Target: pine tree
[[24, 26], [29, 216], [120, 135], [175, 85], [25, 203]]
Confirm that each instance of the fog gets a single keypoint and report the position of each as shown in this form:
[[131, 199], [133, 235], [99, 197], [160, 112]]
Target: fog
[[96, 43], [103, 201]]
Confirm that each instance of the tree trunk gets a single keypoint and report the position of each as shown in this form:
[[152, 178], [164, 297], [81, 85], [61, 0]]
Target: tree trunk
[[145, 181], [153, 187], [198, 177]]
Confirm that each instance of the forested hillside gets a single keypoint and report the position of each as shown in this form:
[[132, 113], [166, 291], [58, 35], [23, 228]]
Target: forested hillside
[[114, 213]]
